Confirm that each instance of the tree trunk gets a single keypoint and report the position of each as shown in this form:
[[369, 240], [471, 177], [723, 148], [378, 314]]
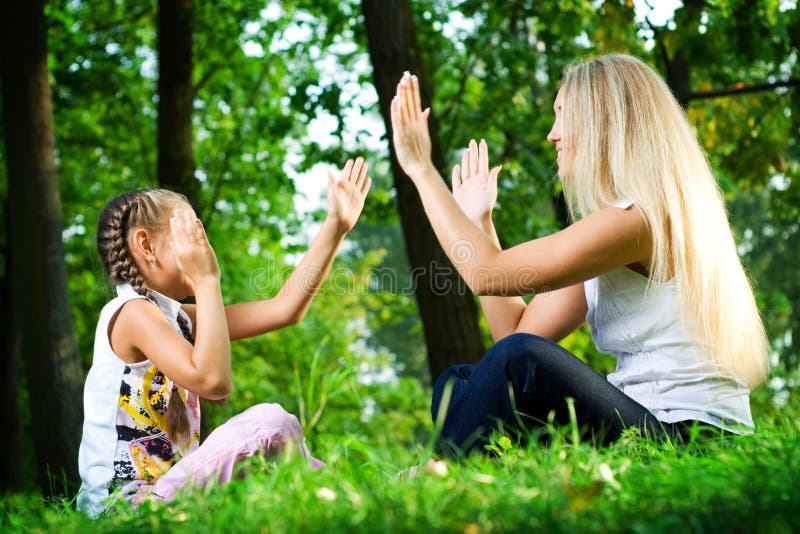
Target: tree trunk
[[447, 308], [38, 280], [175, 96], [11, 451]]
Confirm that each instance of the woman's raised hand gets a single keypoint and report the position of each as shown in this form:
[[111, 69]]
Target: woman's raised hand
[[189, 243], [412, 142], [474, 185], [346, 195]]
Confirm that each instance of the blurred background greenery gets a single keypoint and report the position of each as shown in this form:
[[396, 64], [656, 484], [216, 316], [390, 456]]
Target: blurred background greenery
[[280, 91]]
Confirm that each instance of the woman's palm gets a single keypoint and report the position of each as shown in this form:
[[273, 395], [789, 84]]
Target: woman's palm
[[474, 185]]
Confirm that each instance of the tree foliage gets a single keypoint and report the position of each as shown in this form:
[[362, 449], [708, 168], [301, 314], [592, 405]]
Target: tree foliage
[[283, 89]]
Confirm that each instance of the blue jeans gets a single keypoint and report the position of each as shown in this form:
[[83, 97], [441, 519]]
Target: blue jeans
[[519, 381]]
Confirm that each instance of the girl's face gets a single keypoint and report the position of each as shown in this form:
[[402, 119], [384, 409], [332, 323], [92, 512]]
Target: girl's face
[[562, 160]]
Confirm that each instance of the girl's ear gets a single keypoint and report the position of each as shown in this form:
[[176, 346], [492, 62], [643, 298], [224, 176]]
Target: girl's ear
[[141, 246]]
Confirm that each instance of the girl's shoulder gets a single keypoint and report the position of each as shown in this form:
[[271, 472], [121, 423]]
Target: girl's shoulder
[[124, 294], [130, 319]]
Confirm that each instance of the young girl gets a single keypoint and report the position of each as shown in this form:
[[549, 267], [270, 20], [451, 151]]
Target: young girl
[[650, 264], [154, 357]]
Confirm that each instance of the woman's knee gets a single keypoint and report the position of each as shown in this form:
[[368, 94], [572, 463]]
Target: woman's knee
[[518, 348], [456, 372]]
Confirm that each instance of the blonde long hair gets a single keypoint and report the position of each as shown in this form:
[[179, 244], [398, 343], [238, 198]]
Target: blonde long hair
[[629, 139]]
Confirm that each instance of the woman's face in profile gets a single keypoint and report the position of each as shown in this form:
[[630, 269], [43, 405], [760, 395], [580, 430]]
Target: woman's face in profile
[[562, 160]]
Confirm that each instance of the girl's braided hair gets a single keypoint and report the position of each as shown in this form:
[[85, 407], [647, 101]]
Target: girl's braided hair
[[148, 209]]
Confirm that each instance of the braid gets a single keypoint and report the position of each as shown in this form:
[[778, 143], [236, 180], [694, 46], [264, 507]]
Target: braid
[[141, 208], [177, 418], [184, 324]]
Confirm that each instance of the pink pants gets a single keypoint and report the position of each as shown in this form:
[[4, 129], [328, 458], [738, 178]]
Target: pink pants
[[262, 429]]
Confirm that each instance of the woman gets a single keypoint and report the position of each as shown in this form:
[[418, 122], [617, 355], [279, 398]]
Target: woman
[[649, 263]]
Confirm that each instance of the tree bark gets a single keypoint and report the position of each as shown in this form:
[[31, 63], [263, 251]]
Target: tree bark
[[11, 452], [447, 308], [175, 97], [38, 282]]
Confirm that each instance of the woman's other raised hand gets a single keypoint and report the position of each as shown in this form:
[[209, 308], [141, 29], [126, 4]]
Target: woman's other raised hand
[[474, 185], [412, 141]]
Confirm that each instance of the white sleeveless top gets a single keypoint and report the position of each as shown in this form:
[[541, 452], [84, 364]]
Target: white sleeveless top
[[660, 363], [125, 443]]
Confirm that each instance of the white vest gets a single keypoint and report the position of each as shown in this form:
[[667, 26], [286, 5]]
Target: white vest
[[660, 363], [125, 443]]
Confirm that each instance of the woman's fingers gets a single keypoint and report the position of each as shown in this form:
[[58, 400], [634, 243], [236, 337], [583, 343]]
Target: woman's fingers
[[456, 177], [407, 103], [483, 155], [404, 97], [464, 165], [473, 158], [401, 101], [417, 105], [394, 112], [493, 176]]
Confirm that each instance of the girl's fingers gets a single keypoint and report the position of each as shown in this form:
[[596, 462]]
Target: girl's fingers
[[199, 231], [483, 162], [176, 227], [188, 225], [365, 186], [348, 168], [465, 165], [186, 229], [456, 177], [356, 170], [362, 174]]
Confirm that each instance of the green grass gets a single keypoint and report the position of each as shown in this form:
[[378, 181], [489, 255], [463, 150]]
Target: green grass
[[741, 484]]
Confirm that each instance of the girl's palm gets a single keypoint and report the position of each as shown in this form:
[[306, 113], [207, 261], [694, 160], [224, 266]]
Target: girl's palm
[[189, 243], [346, 196]]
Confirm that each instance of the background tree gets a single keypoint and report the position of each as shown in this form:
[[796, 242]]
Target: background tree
[[175, 97], [447, 308], [39, 300], [12, 459]]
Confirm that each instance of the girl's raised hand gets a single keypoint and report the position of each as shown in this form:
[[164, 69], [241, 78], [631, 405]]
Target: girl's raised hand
[[412, 141], [474, 185], [346, 195], [189, 243]]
